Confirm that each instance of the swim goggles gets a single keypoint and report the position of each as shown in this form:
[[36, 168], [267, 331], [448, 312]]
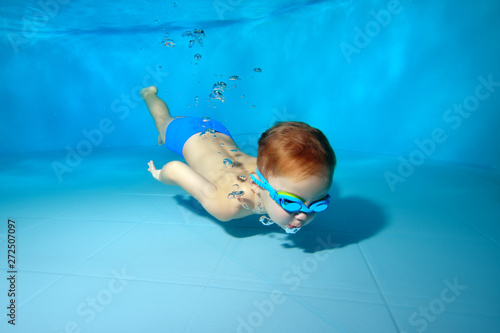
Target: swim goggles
[[291, 202]]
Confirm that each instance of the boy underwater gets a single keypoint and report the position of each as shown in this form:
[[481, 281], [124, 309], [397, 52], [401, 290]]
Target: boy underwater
[[288, 180]]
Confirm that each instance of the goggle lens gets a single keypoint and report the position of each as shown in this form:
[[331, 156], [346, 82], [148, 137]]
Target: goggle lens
[[321, 207], [295, 205], [290, 206]]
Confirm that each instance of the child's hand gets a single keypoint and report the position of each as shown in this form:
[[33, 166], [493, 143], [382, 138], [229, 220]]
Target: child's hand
[[153, 170]]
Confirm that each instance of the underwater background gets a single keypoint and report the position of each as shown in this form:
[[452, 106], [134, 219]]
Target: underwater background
[[407, 92], [375, 76]]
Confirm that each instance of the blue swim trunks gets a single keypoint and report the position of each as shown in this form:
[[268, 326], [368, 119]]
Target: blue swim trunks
[[181, 129]]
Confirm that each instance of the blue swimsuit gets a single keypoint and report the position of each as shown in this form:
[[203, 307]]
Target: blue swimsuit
[[181, 129]]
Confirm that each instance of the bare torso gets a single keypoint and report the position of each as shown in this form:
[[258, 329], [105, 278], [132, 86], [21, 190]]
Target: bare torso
[[216, 157]]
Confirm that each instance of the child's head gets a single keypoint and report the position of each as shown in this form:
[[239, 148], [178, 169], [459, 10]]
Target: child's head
[[295, 150], [296, 158]]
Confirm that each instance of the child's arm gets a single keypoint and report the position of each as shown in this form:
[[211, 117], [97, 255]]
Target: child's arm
[[181, 174]]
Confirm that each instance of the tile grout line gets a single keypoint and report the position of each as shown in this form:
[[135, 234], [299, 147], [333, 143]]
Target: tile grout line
[[207, 284], [492, 240], [67, 273], [315, 311], [379, 289]]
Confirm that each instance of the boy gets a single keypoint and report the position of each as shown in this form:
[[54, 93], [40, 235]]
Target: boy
[[288, 180]]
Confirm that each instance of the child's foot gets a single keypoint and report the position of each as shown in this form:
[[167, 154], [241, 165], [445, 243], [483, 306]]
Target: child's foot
[[148, 90]]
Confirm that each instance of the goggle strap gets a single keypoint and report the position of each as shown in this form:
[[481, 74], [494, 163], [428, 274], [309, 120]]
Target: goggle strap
[[264, 184], [290, 195]]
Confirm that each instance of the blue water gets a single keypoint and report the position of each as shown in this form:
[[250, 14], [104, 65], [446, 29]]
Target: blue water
[[75, 68], [408, 93]]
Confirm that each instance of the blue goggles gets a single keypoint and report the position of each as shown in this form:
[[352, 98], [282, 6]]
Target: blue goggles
[[291, 202]]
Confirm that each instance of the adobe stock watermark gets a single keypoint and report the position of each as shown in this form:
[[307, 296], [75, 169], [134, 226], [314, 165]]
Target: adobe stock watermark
[[47, 10], [96, 303], [373, 28], [94, 137], [292, 278], [250, 144], [453, 116], [420, 319], [223, 6]]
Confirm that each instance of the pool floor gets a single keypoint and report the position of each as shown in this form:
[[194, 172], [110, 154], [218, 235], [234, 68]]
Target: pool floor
[[103, 247]]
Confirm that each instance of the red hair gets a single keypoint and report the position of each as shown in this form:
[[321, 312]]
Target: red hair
[[295, 149]]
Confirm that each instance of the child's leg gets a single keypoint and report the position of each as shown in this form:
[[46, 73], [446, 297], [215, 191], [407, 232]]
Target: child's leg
[[159, 111]]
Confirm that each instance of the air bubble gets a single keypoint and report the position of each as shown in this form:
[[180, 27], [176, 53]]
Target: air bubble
[[228, 163], [169, 43], [242, 178], [265, 220], [207, 131], [216, 94], [257, 69], [217, 91], [197, 56], [219, 86], [291, 230], [199, 33], [192, 41], [205, 119], [235, 194], [234, 78]]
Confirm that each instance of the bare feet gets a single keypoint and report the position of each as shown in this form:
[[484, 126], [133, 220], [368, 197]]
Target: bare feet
[[148, 90]]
